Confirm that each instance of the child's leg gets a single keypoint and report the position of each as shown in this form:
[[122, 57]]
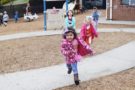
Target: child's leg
[[90, 40], [5, 23], [96, 25], [0, 21], [87, 40], [69, 68], [75, 70], [16, 20]]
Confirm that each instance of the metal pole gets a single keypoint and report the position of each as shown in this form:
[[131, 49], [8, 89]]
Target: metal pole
[[81, 4], [66, 7], [111, 9], [44, 2]]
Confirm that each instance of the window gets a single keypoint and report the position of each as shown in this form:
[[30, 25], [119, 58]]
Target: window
[[132, 2], [128, 2], [125, 2]]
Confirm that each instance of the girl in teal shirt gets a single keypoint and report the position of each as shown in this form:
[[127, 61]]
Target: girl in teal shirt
[[70, 20]]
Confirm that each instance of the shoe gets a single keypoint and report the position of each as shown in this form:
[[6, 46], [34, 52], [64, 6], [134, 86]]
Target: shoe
[[76, 79], [77, 82], [69, 68]]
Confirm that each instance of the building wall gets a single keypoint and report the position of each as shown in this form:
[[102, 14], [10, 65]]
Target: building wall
[[108, 9], [122, 12]]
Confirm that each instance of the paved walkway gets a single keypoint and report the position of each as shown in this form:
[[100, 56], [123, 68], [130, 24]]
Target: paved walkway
[[49, 78], [54, 32], [104, 21]]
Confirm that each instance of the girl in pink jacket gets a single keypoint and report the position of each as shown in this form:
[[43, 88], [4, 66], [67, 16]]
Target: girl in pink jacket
[[88, 31], [73, 48]]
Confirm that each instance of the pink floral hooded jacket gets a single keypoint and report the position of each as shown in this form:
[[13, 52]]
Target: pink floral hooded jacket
[[92, 31], [71, 54]]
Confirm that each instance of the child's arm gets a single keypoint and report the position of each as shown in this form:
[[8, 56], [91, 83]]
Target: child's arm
[[73, 22], [94, 32], [83, 32], [85, 45], [75, 44], [66, 22]]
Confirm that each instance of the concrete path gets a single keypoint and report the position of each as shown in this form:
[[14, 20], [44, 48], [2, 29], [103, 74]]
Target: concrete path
[[103, 20], [54, 32], [29, 34], [49, 78]]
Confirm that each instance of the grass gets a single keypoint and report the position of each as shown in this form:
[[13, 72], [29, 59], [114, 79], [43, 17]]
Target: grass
[[20, 1], [15, 2]]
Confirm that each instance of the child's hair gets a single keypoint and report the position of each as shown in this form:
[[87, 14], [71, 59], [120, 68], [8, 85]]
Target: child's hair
[[69, 29], [70, 11], [5, 12], [88, 18], [94, 7]]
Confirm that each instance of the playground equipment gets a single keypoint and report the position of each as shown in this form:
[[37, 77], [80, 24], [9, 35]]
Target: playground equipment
[[55, 19], [74, 6], [71, 6], [30, 17]]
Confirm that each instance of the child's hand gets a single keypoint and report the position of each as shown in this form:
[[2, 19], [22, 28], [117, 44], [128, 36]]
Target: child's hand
[[92, 53], [96, 35], [87, 47]]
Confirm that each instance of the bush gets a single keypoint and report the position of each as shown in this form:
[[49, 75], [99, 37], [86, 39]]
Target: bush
[[5, 1]]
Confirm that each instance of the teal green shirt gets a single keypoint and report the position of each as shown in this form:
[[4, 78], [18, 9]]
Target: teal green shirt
[[70, 23]]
